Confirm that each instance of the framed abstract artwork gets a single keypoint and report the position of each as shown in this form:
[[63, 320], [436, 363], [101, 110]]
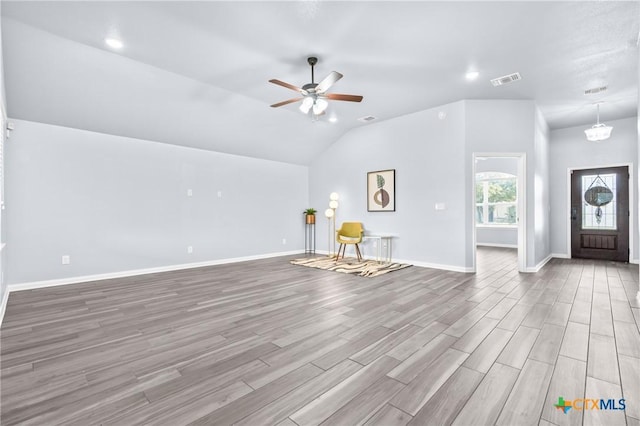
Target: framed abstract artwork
[[381, 191]]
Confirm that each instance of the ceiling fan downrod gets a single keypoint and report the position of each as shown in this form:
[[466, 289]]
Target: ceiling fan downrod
[[312, 60]]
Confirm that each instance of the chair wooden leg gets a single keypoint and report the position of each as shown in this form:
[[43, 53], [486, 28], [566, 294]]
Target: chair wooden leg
[[338, 254], [358, 253]]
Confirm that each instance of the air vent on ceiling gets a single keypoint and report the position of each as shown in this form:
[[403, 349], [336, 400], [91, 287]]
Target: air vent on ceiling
[[506, 79], [366, 118], [595, 90]]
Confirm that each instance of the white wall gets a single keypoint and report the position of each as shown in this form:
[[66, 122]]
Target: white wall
[[497, 236], [428, 155], [116, 204], [569, 149]]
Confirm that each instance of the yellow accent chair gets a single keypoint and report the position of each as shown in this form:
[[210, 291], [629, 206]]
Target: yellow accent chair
[[349, 233]]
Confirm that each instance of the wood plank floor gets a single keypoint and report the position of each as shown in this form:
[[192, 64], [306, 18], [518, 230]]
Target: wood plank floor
[[265, 343]]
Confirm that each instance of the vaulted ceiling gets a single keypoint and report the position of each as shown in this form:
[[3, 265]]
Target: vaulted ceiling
[[196, 73]]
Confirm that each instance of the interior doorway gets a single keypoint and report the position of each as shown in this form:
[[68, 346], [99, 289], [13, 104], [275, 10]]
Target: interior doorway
[[499, 204], [600, 213]]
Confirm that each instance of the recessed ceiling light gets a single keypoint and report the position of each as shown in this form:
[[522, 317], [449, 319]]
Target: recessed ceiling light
[[113, 43], [333, 119], [472, 75]]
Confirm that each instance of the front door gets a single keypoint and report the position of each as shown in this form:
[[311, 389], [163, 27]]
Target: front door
[[600, 214]]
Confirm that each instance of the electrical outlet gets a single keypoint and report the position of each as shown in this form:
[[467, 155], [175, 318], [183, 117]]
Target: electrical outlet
[[284, 241], [219, 194], [190, 249], [189, 192], [66, 260]]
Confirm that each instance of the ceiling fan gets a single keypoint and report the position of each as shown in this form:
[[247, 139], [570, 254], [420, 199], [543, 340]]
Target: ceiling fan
[[314, 96]]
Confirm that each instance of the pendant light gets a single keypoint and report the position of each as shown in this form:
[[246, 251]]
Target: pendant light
[[599, 131]]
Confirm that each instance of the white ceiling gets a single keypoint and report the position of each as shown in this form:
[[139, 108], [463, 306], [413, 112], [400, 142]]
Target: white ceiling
[[196, 73]]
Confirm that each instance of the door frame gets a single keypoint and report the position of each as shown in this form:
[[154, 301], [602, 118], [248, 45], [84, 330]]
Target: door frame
[[629, 166], [521, 158]]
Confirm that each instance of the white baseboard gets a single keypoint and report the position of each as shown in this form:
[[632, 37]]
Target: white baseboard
[[3, 306], [75, 280], [634, 261], [452, 268], [540, 265], [515, 246]]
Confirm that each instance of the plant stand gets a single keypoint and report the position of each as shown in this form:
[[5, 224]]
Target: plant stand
[[310, 237]]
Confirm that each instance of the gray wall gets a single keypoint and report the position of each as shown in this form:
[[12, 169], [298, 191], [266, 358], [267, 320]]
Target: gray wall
[[3, 110], [496, 236], [428, 155], [499, 126], [499, 236], [542, 189], [570, 150], [2, 88], [116, 204], [498, 164], [432, 158]]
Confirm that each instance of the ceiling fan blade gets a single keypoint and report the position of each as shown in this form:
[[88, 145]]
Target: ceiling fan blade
[[328, 81], [288, 86], [288, 101], [339, 97]]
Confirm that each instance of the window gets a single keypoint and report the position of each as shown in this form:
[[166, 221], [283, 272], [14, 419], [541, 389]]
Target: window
[[599, 215], [496, 199]]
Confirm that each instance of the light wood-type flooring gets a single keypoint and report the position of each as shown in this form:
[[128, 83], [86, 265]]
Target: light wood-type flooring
[[265, 342]]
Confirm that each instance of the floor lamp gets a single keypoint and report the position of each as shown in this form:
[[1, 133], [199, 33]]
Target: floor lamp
[[330, 214], [333, 205]]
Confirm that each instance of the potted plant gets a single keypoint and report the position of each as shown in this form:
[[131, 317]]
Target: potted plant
[[310, 215]]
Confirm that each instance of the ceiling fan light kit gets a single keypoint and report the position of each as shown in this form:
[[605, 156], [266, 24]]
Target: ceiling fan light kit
[[314, 96], [306, 104], [319, 105], [599, 131]]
